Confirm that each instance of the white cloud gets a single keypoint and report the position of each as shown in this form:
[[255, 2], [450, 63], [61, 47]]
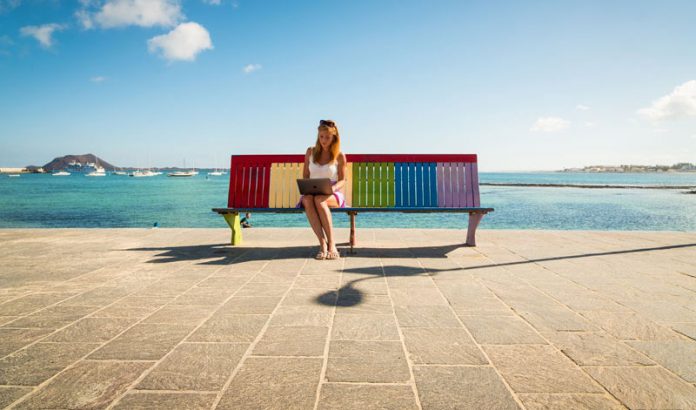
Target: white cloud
[[182, 43], [98, 79], [250, 68], [581, 107], [589, 124], [680, 103], [120, 13], [43, 34], [550, 124]]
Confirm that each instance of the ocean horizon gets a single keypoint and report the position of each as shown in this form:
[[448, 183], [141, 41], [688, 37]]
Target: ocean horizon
[[76, 201]]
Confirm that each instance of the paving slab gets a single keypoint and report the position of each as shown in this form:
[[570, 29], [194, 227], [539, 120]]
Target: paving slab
[[292, 341], [195, 366], [339, 396], [597, 349], [367, 361], [39, 362], [289, 383], [501, 330], [87, 385], [544, 401], [145, 341], [138, 400], [230, 328], [442, 346], [364, 327], [453, 387], [646, 387], [678, 356], [539, 369]]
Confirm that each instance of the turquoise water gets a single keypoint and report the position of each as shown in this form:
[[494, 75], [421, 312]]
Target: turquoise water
[[44, 201]]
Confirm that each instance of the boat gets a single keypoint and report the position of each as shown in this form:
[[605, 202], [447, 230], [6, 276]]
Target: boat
[[61, 174], [217, 173], [189, 173], [122, 173], [13, 175], [86, 168], [141, 174], [182, 174], [98, 172]]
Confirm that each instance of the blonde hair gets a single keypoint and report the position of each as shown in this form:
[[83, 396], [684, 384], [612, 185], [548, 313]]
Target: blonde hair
[[335, 147]]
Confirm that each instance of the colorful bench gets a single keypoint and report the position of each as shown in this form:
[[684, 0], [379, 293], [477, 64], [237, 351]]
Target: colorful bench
[[375, 183]]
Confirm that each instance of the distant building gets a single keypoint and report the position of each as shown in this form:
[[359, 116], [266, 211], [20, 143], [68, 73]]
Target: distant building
[[680, 167], [12, 170]]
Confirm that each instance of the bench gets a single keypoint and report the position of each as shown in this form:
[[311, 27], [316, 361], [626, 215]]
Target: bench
[[374, 183]]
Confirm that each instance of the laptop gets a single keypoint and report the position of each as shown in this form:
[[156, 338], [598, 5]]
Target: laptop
[[315, 186]]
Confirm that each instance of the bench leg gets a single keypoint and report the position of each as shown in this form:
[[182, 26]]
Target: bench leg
[[352, 231], [474, 220], [233, 221]]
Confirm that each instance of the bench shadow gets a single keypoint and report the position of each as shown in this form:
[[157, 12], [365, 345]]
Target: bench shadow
[[224, 254]]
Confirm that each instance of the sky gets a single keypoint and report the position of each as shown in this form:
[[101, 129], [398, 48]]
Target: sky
[[526, 85]]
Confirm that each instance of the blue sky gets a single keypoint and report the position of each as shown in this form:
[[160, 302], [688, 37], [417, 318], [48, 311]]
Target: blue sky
[[534, 85]]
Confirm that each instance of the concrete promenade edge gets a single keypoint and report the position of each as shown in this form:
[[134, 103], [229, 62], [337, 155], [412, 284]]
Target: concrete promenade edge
[[176, 318]]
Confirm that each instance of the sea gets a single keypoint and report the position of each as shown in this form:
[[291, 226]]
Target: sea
[[113, 201]]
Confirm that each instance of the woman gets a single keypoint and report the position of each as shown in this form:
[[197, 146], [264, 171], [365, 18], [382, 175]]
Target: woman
[[325, 160]]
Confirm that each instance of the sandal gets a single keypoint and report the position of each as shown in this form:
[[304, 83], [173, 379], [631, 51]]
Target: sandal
[[321, 255], [333, 255]]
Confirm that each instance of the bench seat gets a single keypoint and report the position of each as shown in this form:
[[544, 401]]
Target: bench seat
[[405, 183]]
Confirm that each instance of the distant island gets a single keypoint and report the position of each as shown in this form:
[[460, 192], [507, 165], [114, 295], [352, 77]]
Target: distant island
[[680, 167], [65, 162], [80, 163]]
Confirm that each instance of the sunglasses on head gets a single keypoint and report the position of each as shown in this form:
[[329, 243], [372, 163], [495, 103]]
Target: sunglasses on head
[[327, 122]]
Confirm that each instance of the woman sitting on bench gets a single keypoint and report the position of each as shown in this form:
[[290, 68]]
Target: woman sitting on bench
[[325, 160]]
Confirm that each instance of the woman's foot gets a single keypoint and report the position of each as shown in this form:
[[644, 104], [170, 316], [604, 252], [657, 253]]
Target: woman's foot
[[333, 253], [322, 252]]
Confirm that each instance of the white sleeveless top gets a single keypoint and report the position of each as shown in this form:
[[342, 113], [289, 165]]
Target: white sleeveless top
[[329, 170]]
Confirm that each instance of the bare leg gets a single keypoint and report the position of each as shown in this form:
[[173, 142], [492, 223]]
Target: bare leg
[[322, 204], [313, 217]]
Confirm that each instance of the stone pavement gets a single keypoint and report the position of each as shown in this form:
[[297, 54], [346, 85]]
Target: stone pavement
[[174, 318]]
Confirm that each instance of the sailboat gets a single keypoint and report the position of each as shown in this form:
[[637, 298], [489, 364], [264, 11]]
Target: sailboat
[[217, 172], [189, 173]]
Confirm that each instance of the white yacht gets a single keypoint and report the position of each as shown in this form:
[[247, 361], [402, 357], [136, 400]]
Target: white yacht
[[98, 172], [217, 173], [182, 174], [141, 174], [61, 174]]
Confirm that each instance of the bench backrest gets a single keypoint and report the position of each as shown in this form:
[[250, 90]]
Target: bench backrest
[[373, 181]]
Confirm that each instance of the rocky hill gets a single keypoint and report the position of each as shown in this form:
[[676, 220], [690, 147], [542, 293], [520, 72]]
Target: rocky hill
[[62, 162]]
